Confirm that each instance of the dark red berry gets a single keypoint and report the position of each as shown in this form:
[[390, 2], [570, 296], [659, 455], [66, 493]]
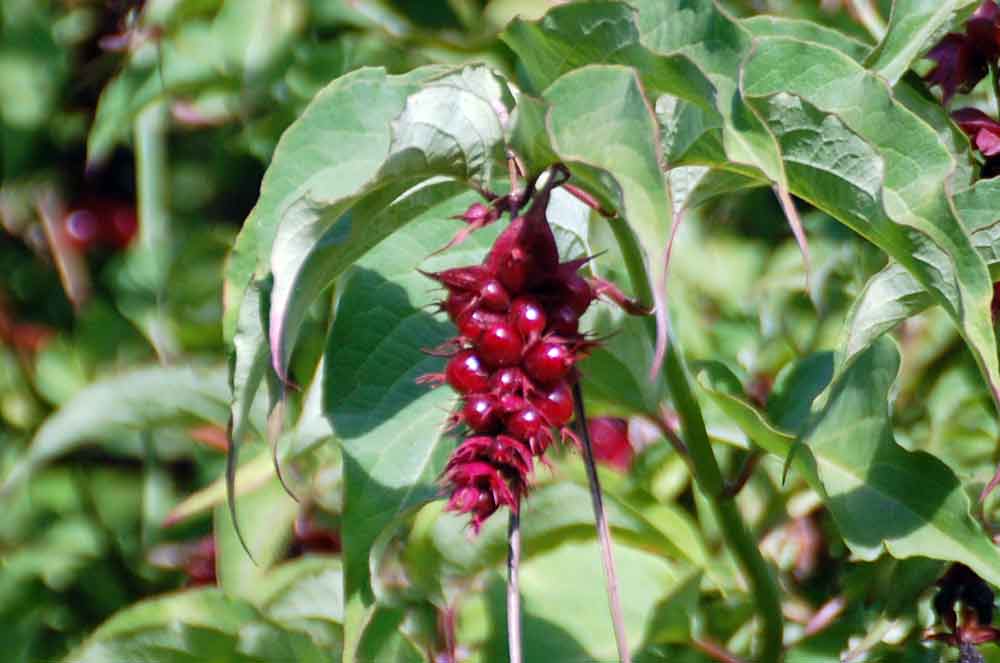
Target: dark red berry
[[508, 380], [564, 320], [474, 322], [493, 296], [82, 229], [501, 345], [480, 413], [525, 423], [548, 361], [528, 316], [466, 373], [556, 405], [457, 303]]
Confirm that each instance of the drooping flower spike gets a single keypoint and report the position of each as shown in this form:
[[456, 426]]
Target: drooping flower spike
[[517, 316]]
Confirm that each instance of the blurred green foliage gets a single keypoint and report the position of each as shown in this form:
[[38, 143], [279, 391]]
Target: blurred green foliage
[[121, 369]]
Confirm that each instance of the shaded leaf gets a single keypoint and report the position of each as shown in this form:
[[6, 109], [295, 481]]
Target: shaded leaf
[[881, 495], [448, 135], [893, 294], [138, 400], [910, 216], [914, 25]]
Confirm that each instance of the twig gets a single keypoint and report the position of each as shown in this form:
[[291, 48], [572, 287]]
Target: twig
[[735, 485], [869, 18], [795, 223], [738, 539], [716, 651], [513, 590], [603, 532], [72, 268]]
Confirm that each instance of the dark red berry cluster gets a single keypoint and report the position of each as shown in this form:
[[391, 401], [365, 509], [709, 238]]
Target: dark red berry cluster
[[518, 317]]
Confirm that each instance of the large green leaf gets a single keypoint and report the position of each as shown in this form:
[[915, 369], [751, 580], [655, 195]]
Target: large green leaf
[[391, 428], [142, 399], [449, 135], [893, 294], [881, 495], [352, 115], [572, 36], [823, 106], [196, 626], [914, 25]]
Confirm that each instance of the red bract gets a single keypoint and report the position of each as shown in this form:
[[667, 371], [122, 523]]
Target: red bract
[[517, 315], [964, 59], [960, 66], [983, 29], [982, 129]]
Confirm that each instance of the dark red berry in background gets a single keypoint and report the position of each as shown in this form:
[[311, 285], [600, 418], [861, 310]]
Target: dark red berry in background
[[494, 296], [501, 345], [120, 226], [609, 437], [466, 373], [527, 315], [82, 229], [556, 405], [106, 223], [548, 361], [481, 413]]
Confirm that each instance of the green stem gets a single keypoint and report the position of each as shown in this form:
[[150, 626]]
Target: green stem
[[151, 257], [707, 474]]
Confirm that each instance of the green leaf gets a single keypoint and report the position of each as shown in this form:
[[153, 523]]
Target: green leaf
[[266, 535], [305, 595], [141, 399], [725, 390], [565, 607], [881, 495], [832, 99], [391, 428], [572, 36], [450, 130], [914, 26], [352, 115], [778, 26], [193, 626], [893, 294]]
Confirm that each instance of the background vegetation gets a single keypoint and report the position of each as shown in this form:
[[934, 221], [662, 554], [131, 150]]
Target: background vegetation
[[135, 138]]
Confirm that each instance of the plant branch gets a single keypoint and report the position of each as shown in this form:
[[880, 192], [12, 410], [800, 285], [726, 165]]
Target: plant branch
[[513, 589], [706, 468], [603, 531], [867, 15]]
